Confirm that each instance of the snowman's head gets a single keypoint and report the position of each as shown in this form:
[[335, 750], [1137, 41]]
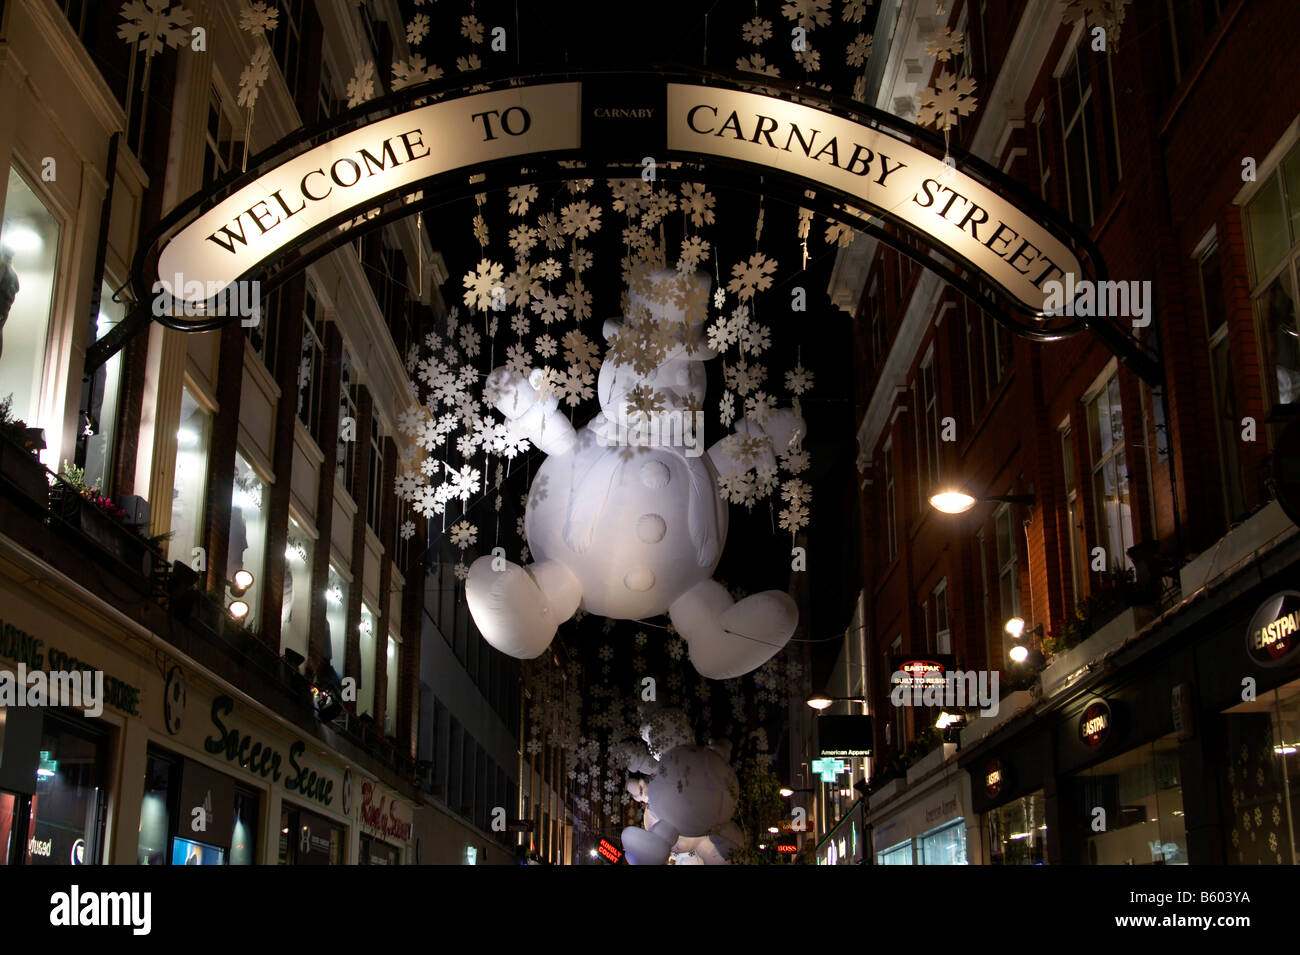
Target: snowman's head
[[653, 363]]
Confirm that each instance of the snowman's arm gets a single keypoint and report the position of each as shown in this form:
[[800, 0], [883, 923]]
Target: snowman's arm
[[538, 420], [784, 427]]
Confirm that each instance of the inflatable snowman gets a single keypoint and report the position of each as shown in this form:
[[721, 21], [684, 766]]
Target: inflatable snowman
[[624, 518], [690, 797]]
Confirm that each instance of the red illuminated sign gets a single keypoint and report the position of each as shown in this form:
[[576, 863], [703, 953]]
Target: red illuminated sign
[[787, 850], [609, 850]]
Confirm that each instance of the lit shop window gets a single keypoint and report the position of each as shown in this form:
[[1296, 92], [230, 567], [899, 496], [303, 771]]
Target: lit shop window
[[189, 482], [29, 249], [1261, 755], [247, 551], [295, 606], [1273, 223], [900, 854], [1141, 794], [336, 620], [1017, 832], [346, 455], [368, 627], [946, 846]]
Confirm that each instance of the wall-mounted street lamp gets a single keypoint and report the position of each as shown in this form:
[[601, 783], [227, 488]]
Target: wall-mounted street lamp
[[1015, 628], [820, 701], [956, 501], [238, 608], [787, 791]]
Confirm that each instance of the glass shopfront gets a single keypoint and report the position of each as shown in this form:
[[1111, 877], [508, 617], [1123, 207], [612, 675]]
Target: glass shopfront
[[1261, 783], [944, 846], [61, 821], [1133, 808], [307, 838], [295, 606], [224, 830], [900, 854], [1017, 831], [375, 852]]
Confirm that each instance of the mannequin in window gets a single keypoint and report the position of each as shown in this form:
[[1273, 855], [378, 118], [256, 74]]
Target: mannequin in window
[[8, 290]]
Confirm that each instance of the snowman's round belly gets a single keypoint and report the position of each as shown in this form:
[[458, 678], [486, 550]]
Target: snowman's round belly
[[637, 533]]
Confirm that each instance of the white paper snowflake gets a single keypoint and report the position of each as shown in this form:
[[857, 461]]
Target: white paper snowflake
[[471, 27], [154, 25], [809, 14], [752, 276], [481, 285], [757, 63], [858, 50], [949, 98], [463, 534], [258, 18], [799, 379], [521, 197], [417, 29], [944, 45], [362, 85], [253, 76], [757, 30]]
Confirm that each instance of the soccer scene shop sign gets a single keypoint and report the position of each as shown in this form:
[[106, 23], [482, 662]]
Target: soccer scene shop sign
[[867, 167]]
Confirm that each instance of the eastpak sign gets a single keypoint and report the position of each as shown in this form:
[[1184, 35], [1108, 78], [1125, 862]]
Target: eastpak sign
[[354, 173]]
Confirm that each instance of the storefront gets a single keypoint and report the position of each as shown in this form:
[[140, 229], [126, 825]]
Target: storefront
[[68, 699], [386, 825], [1178, 749], [844, 844], [925, 826]]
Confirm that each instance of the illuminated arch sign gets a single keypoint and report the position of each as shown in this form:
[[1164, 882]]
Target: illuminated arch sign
[[869, 168]]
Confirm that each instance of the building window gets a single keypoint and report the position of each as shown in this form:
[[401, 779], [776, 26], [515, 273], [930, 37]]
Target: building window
[[1272, 220], [286, 43], [309, 839], [1074, 517], [930, 420], [29, 254], [891, 518], [328, 100], [939, 614], [877, 326], [996, 348], [1080, 105], [900, 854], [1258, 745], [1044, 167], [311, 367], [1008, 564], [1142, 795], [945, 846], [346, 455], [223, 152], [247, 549], [390, 696], [99, 399], [190, 478], [295, 607], [1223, 389], [264, 335], [1017, 832], [336, 621], [368, 629], [375, 466], [1110, 488]]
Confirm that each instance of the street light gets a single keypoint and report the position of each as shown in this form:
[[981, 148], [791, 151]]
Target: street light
[[820, 701], [957, 501]]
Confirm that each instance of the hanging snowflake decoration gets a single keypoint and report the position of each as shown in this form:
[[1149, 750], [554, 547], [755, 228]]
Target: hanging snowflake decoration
[[417, 29], [259, 18], [154, 25], [752, 276], [463, 534], [757, 63], [362, 85], [1107, 14], [949, 98], [809, 14], [471, 27], [858, 50], [757, 30], [799, 380], [945, 44], [254, 76]]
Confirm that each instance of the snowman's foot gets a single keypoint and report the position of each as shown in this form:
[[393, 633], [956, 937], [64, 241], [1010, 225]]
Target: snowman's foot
[[517, 609], [728, 639], [649, 847]]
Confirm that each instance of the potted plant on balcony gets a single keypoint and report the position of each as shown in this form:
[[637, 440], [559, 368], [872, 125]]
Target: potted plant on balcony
[[101, 519], [19, 464]]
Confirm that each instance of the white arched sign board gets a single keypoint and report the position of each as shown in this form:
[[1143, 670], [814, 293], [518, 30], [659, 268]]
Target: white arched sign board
[[354, 172]]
